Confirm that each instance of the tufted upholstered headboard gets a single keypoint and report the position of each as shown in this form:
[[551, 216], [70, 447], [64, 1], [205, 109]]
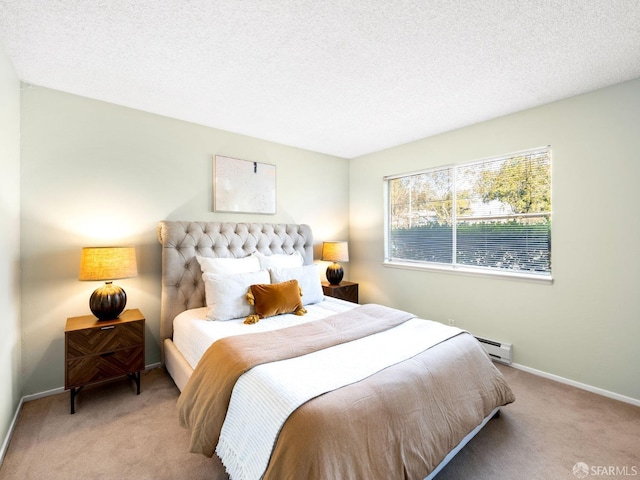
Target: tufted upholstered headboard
[[182, 285]]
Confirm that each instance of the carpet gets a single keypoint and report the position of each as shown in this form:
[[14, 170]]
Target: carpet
[[116, 434]]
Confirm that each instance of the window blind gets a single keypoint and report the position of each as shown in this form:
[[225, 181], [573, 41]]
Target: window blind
[[491, 214]]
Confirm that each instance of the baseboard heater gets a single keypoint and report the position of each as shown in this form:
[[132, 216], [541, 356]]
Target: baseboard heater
[[498, 351]]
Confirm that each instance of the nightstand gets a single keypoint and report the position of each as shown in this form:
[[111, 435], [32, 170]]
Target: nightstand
[[344, 291], [96, 351]]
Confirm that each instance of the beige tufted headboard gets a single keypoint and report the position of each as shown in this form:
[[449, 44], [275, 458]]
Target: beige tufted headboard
[[182, 285]]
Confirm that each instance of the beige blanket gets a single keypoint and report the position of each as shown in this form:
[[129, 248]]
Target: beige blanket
[[398, 423]]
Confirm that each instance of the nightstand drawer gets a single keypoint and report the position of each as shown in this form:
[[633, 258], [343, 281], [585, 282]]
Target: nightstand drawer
[[104, 339], [344, 291], [95, 368]]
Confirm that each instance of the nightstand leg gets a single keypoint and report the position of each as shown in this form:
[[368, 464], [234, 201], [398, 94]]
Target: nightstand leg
[[136, 378], [72, 395]]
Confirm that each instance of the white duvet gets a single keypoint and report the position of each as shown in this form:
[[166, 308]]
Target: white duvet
[[193, 333]]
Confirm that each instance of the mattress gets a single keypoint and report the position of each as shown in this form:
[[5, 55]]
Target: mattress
[[193, 333]]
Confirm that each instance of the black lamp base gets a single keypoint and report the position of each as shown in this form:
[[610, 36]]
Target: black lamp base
[[108, 302], [335, 273]]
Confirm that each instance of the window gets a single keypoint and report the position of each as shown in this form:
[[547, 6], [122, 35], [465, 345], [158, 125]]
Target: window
[[493, 216]]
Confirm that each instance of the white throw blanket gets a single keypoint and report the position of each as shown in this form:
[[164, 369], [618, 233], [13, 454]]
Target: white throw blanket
[[265, 396]]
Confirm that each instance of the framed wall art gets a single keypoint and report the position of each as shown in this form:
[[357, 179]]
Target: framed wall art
[[243, 186]]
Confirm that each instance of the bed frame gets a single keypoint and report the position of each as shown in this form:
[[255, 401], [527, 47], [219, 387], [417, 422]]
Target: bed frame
[[182, 285], [183, 288]]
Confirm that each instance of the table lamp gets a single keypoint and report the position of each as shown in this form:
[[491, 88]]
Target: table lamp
[[106, 264], [335, 252]]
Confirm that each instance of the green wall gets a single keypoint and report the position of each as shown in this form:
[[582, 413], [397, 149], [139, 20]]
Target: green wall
[[95, 173], [9, 243], [586, 325]]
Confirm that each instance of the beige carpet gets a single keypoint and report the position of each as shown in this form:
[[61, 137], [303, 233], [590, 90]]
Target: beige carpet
[[118, 435]]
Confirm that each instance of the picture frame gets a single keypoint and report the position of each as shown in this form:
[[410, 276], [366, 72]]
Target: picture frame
[[243, 186]]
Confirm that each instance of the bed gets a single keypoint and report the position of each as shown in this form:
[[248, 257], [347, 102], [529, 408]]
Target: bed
[[404, 408]]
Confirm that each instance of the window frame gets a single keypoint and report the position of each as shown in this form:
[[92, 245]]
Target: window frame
[[455, 268]]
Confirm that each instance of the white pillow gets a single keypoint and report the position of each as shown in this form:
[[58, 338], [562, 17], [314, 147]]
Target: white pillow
[[226, 293], [228, 265], [308, 278], [280, 260]]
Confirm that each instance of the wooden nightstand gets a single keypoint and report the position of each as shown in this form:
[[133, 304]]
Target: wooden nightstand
[[96, 350], [344, 291]]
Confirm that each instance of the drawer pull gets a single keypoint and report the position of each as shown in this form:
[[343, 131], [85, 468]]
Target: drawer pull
[[108, 354], [108, 328]]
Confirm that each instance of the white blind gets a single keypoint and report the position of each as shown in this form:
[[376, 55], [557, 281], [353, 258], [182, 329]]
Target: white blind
[[492, 214]]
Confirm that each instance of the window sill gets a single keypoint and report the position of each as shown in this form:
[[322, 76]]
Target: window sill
[[469, 271]]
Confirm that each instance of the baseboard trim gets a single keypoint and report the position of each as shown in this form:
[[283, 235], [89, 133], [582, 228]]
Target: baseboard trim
[[12, 426], [35, 396], [581, 386], [46, 393]]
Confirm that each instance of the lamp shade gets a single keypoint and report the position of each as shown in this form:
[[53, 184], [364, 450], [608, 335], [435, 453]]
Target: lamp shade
[[107, 263], [335, 251]]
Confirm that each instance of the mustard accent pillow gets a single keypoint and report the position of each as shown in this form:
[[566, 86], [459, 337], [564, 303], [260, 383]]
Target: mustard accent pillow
[[275, 299]]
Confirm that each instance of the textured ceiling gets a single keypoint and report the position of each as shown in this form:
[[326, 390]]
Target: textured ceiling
[[340, 77]]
